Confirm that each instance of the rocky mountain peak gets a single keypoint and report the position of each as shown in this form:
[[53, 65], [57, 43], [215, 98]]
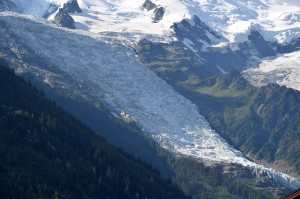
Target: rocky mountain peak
[[72, 7], [64, 19]]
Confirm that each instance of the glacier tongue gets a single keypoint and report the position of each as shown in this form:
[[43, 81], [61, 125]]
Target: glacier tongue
[[110, 72]]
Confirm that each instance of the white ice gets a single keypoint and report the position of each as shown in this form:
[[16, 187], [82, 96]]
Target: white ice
[[111, 73], [282, 69]]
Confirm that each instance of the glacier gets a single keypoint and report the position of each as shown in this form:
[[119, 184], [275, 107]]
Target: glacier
[[278, 20], [284, 69], [109, 71]]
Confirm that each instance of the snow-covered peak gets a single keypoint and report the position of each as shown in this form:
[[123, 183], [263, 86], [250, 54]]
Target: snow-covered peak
[[278, 20]]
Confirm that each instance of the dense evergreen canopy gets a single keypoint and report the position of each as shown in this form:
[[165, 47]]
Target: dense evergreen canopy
[[46, 153]]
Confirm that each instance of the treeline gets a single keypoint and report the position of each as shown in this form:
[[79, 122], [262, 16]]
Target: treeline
[[205, 182], [261, 122], [46, 153]]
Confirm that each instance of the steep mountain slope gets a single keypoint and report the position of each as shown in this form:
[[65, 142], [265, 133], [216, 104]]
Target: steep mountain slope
[[186, 41], [103, 75], [46, 153], [184, 78], [261, 122], [64, 159], [231, 35]]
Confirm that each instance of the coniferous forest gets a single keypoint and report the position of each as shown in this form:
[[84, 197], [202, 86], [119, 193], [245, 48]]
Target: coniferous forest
[[46, 153]]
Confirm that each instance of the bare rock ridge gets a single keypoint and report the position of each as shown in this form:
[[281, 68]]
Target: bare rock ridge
[[63, 17], [72, 7], [158, 14], [149, 5], [159, 11]]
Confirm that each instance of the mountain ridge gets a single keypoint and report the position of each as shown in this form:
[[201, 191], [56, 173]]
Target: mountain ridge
[[274, 114], [162, 119], [183, 58]]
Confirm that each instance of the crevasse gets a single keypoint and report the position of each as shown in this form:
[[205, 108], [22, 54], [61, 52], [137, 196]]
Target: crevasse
[[110, 72]]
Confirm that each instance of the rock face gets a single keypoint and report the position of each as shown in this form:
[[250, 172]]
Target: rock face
[[158, 14], [149, 5], [158, 10], [6, 5], [72, 7], [197, 32], [289, 47], [64, 19], [263, 47]]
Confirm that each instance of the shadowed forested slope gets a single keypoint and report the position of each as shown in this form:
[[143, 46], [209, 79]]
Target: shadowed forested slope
[[46, 153]]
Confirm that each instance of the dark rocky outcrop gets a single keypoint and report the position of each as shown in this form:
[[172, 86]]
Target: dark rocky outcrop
[[64, 19], [171, 61], [293, 46], [196, 32], [72, 7], [158, 10], [263, 47], [158, 14], [149, 5]]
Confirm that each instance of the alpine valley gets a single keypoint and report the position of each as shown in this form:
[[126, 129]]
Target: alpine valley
[[206, 91]]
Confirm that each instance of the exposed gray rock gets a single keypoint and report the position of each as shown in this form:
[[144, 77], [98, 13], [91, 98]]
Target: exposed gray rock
[[191, 58], [293, 46], [263, 47], [6, 5], [72, 7], [158, 11], [158, 14], [197, 32], [64, 19], [149, 5]]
